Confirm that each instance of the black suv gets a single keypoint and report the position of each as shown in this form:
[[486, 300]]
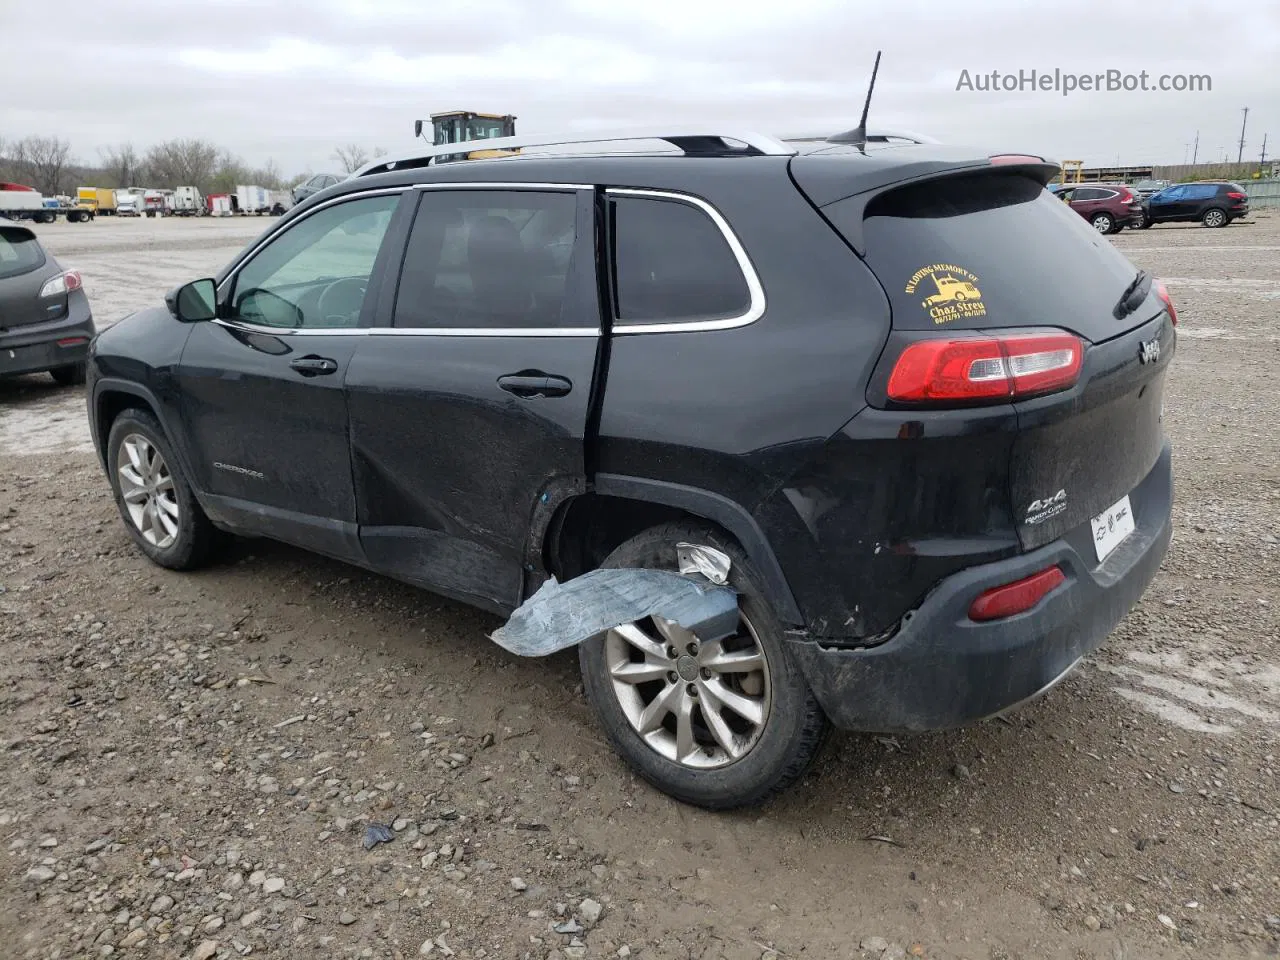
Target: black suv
[[1213, 204], [930, 451]]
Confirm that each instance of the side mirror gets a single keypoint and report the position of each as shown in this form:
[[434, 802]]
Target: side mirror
[[417, 128], [193, 302]]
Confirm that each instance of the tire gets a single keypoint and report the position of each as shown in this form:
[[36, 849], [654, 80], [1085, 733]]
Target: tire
[[72, 376], [1215, 217], [776, 752], [191, 537], [1103, 223]]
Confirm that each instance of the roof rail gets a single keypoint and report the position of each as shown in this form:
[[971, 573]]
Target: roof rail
[[693, 143], [874, 135]]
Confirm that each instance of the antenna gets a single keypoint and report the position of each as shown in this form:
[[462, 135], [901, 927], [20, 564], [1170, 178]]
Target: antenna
[[858, 135]]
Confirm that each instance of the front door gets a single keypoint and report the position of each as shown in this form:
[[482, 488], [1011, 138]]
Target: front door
[[1169, 204], [469, 407], [262, 386]]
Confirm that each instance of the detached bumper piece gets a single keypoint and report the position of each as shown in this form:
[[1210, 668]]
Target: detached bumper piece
[[944, 669], [562, 615]]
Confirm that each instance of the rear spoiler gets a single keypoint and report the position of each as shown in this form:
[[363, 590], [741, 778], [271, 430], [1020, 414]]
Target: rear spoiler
[[867, 188], [12, 226]]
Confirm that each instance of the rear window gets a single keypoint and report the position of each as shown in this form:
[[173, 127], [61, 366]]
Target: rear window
[[988, 250], [19, 252]]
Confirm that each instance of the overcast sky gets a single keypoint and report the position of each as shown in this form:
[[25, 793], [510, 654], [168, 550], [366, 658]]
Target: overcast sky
[[268, 81]]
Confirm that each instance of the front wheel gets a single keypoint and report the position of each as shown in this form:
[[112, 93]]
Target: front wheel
[[153, 494], [1213, 217], [720, 725]]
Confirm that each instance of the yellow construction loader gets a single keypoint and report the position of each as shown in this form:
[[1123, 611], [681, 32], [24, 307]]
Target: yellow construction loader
[[457, 126]]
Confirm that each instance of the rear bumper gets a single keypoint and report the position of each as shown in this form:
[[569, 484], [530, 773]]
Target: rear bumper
[[943, 670], [34, 348]]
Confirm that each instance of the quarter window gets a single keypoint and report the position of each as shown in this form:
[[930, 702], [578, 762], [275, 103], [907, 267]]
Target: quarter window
[[316, 273], [496, 259], [673, 263]]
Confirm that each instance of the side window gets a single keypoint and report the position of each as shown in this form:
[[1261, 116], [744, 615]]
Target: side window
[[671, 262], [1089, 193], [1174, 193], [492, 259], [1202, 191], [316, 272]]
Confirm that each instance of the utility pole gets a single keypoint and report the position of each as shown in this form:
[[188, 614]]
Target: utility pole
[[1186, 152], [1195, 151], [1263, 162], [1240, 155]]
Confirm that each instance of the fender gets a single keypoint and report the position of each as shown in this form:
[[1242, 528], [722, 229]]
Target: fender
[[723, 511], [116, 385]]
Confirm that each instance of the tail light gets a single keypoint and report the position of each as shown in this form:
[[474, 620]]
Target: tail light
[[1163, 294], [62, 284], [986, 368], [1017, 597], [1235, 195]]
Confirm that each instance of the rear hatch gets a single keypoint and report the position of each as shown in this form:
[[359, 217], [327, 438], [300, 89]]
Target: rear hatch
[[24, 270], [989, 255]]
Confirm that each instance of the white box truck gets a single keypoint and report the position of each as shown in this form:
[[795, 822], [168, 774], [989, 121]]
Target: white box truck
[[251, 198], [187, 202]]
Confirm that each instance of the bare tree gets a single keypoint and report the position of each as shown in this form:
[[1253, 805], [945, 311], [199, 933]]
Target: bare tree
[[182, 162], [352, 157], [230, 172], [121, 165], [43, 161], [267, 176]]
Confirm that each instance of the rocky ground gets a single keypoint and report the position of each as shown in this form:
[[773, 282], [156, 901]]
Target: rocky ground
[[191, 763]]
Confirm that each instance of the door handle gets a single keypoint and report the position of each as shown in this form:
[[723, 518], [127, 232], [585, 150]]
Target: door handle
[[314, 366], [535, 383]]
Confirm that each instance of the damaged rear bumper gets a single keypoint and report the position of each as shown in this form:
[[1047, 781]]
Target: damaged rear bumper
[[943, 670]]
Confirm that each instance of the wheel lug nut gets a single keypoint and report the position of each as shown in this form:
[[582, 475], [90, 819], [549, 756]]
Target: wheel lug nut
[[691, 690], [706, 674], [672, 677], [672, 653], [693, 649]]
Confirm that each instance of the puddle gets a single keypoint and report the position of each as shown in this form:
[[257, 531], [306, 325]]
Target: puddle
[[1202, 695], [56, 425]]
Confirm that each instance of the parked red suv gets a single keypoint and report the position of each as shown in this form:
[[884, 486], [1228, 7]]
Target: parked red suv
[[1110, 207]]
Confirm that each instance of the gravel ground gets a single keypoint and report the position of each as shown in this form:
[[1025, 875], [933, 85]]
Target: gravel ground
[[190, 762]]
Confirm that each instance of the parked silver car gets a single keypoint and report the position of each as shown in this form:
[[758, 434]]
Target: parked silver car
[[314, 185]]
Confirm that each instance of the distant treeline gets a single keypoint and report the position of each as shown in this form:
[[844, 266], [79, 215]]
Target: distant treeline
[[47, 164]]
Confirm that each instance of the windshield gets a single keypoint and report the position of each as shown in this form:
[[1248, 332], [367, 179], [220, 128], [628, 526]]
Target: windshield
[[484, 129]]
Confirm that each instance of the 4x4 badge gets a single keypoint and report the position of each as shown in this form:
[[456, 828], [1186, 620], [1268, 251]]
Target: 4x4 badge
[[1041, 510], [1149, 351]]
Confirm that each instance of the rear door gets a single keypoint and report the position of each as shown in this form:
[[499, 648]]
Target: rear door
[[993, 253], [469, 403]]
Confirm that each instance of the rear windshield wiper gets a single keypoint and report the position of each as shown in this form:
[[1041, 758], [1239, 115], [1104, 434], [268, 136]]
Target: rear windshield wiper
[[1134, 295]]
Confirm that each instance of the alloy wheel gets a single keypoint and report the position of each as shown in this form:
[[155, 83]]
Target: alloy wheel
[[701, 705], [1102, 224], [1214, 218], [146, 485]]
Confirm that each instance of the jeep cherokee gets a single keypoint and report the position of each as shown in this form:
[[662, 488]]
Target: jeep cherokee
[[912, 398]]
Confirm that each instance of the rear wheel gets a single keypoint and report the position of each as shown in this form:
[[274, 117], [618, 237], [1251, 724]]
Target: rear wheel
[[720, 725], [1214, 217], [69, 376], [153, 495], [1103, 223]]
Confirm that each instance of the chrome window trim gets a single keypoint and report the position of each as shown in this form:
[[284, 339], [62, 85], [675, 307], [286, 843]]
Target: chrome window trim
[[756, 305], [484, 331], [293, 331]]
